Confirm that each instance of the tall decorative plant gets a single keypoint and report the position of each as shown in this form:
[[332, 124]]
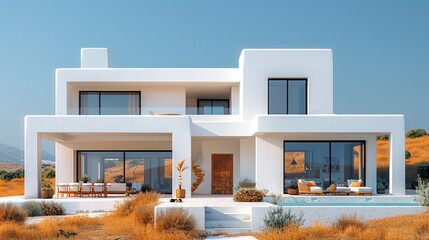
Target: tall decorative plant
[[180, 167]]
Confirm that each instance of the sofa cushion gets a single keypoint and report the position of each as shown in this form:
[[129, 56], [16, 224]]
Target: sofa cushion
[[356, 184], [311, 184], [316, 189]]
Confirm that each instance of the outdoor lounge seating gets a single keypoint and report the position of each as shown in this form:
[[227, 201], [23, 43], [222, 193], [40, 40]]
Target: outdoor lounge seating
[[338, 190], [356, 187], [308, 187]]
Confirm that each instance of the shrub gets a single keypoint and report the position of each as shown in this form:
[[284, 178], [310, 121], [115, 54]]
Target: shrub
[[146, 188], [277, 218], [175, 219], [383, 137], [416, 133], [382, 185], [347, 221], [52, 208], [246, 183], [422, 190], [128, 206], [144, 214], [33, 208], [10, 212], [248, 195], [407, 154], [49, 173]]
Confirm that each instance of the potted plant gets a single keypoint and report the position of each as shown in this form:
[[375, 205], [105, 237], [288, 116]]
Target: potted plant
[[85, 179], [180, 167], [292, 189], [47, 191]]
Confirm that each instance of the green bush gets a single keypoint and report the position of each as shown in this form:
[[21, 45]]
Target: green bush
[[5, 175], [422, 190], [33, 208], [277, 218], [382, 184], [246, 183], [52, 208], [248, 195], [49, 173], [10, 212], [383, 137], [416, 133], [407, 154]]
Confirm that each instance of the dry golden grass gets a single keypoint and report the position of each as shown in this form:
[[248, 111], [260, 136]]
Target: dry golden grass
[[419, 149], [13, 187], [414, 226]]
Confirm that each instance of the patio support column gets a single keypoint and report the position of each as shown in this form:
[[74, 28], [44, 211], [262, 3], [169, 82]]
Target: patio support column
[[269, 164], [397, 162], [371, 163], [33, 162], [181, 147]]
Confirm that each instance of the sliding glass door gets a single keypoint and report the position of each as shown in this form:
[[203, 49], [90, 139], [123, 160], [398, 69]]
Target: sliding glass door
[[324, 162], [152, 169]]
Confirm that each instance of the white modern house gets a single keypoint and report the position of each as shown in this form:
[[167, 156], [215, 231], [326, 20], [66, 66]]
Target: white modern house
[[270, 119]]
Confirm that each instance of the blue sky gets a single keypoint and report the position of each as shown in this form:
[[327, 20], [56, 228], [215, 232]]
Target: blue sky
[[381, 48]]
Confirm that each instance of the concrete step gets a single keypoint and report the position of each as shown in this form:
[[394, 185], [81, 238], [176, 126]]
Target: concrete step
[[228, 224], [229, 210], [228, 230], [218, 216]]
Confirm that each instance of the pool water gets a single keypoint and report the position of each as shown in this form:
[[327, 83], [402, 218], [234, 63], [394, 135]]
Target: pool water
[[340, 204]]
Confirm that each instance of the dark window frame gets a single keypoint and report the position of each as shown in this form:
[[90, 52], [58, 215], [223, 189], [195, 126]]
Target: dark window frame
[[212, 100], [99, 99], [287, 91], [363, 161]]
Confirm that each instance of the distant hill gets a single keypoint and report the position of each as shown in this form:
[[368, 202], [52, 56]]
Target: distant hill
[[419, 150], [15, 155]]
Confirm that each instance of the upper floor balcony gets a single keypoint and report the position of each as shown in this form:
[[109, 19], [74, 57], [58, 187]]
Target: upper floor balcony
[[210, 102]]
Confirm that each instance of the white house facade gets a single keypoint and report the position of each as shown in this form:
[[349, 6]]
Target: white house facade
[[270, 120]]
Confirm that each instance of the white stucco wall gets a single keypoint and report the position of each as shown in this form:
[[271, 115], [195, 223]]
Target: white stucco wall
[[163, 100], [258, 65], [65, 164], [247, 158]]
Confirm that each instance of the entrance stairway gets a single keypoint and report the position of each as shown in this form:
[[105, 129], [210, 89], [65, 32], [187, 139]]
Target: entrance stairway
[[199, 173], [228, 219]]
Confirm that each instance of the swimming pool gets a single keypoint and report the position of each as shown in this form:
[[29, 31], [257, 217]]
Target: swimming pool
[[349, 204]]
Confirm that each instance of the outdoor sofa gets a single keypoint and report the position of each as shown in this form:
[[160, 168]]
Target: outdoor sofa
[[308, 187]]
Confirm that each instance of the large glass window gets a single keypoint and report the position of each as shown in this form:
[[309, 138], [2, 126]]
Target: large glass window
[[213, 107], [287, 96], [109, 103], [139, 168], [324, 162]]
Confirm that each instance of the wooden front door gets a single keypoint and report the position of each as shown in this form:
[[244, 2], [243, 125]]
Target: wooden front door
[[222, 177]]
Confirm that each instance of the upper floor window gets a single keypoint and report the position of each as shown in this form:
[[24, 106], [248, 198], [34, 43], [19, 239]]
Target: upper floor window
[[287, 96], [109, 103], [213, 106]]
